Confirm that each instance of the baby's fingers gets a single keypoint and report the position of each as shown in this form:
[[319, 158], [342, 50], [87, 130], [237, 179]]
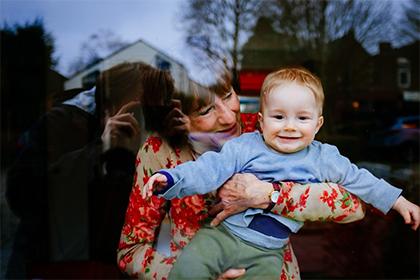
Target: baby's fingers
[[415, 218], [144, 191], [406, 216], [148, 189]]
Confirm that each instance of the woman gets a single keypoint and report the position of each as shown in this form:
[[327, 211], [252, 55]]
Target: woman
[[213, 119], [77, 163]]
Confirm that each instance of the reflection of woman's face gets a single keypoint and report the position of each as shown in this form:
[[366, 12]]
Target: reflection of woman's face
[[221, 116]]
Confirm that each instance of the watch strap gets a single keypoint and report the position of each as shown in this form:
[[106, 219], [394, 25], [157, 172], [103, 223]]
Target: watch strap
[[276, 187]]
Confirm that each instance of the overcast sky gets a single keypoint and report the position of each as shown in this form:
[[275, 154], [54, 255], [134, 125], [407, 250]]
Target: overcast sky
[[71, 22]]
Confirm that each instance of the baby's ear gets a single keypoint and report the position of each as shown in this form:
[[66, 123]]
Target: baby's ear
[[260, 120], [319, 124]]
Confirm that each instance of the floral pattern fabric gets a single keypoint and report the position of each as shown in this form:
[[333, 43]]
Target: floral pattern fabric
[[136, 253]]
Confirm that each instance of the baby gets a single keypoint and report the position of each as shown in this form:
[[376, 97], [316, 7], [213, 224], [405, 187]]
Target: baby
[[290, 116]]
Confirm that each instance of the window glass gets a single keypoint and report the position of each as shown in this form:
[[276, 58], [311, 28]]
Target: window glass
[[68, 150]]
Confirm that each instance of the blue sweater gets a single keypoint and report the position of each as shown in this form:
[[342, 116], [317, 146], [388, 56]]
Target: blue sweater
[[249, 154]]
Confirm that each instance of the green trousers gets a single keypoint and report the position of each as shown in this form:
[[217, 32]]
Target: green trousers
[[213, 250]]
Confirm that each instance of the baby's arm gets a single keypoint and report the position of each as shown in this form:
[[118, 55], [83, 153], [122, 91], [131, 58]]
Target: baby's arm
[[336, 168], [409, 211], [371, 189], [157, 181], [202, 176]]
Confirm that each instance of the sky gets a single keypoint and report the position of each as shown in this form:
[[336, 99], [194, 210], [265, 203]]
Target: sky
[[71, 22]]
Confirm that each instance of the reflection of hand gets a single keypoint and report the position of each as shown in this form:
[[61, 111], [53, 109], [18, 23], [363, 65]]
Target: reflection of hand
[[239, 193], [232, 273], [176, 122], [122, 129], [409, 211]]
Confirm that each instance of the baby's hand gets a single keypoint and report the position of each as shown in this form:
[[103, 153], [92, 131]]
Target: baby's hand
[[409, 211], [157, 181]]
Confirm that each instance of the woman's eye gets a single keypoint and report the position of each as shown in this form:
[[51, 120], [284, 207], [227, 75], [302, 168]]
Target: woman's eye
[[205, 111], [228, 95]]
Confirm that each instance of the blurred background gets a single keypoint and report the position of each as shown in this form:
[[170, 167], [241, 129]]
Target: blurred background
[[366, 53]]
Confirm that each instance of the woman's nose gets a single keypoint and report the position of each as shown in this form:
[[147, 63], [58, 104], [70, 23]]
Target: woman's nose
[[226, 115]]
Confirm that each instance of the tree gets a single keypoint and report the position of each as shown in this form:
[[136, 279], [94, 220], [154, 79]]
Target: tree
[[26, 59], [369, 20], [408, 26], [315, 23], [328, 36], [95, 48], [216, 30]]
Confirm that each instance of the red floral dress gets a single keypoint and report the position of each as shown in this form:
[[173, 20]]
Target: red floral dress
[[136, 253]]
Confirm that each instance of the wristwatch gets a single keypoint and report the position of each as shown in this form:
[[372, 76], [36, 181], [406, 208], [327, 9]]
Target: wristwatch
[[274, 197]]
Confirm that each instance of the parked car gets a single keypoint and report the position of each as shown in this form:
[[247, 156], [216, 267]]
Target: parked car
[[401, 138]]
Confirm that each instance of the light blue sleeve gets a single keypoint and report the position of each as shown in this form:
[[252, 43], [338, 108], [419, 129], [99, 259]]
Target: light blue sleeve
[[359, 181], [207, 173]]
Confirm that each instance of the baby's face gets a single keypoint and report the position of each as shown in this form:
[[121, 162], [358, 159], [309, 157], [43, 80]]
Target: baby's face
[[290, 118]]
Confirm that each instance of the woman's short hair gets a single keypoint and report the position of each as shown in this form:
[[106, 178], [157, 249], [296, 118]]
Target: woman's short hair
[[198, 96]]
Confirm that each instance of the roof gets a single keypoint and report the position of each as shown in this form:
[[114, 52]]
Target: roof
[[122, 49]]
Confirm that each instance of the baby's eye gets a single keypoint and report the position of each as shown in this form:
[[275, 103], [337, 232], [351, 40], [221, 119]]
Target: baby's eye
[[303, 118], [278, 117]]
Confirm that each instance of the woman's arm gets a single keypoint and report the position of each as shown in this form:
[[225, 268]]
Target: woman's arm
[[310, 202], [136, 255], [318, 202]]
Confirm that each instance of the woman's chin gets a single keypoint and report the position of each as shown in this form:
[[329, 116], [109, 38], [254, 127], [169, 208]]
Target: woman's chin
[[236, 131], [232, 133]]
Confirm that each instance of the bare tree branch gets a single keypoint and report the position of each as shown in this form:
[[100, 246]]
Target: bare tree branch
[[316, 22], [216, 30], [408, 26], [96, 47]]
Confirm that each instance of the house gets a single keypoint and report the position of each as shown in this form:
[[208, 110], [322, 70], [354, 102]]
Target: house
[[396, 72], [266, 50], [387, 85], [358, 85], [137, 51]]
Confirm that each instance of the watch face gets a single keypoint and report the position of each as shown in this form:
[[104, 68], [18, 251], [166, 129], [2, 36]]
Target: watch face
[[275, 196]]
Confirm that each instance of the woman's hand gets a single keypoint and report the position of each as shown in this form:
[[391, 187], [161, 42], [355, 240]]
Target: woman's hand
[[239, 193], [122, 129], [176, 122], [232, 273]]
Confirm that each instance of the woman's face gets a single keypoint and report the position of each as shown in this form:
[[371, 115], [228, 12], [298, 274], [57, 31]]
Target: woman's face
[[222, 116]]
